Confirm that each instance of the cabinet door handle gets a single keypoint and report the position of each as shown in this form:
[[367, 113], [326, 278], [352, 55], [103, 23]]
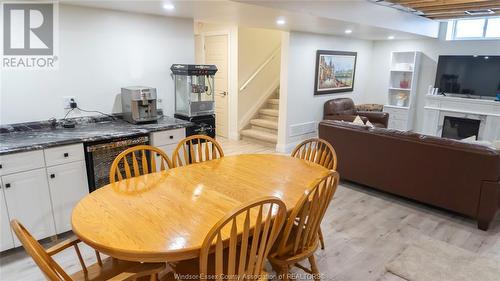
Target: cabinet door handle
[[1, 166], [52, 176], [66, 154], [171, 137], [7, 185]]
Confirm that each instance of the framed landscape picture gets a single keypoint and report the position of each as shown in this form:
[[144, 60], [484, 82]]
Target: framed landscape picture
[[334, 72]]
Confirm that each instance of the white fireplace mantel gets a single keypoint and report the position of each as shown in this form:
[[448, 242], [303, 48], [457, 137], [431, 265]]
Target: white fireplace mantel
[[488, 111]]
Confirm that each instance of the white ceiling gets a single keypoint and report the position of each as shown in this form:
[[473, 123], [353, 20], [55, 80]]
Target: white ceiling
[[325, 17]]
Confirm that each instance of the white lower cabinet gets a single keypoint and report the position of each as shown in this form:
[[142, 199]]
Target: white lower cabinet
[[6, 240], [28, 200], [68, 185], [167, 141], [398, 118], [169, 150]]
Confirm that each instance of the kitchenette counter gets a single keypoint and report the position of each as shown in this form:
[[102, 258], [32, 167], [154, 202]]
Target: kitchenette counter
[[39, 135]]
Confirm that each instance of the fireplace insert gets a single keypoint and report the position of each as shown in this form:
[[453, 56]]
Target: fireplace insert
[[460, 128]]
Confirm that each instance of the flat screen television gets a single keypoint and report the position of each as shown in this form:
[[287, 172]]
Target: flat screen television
[[477, 76]]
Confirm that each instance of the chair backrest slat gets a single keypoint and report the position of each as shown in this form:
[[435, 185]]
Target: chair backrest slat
[[135, 164], [196, 149], [318, 151], [302, 226], [144, 161], [147, 156], [267, 216]]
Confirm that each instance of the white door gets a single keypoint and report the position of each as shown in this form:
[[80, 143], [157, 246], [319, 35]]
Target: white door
[[216, 52], [68, 185], [28, 201], [6, 241]]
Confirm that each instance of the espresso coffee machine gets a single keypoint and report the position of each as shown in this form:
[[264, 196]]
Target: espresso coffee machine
[[194, 97], [139, 104]]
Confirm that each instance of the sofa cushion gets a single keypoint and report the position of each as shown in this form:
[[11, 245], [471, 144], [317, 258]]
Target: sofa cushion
[[341, 106]]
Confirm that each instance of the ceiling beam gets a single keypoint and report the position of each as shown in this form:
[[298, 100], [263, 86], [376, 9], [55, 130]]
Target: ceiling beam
[[452, 15], [440, 9], [444, 3], [463, 7]]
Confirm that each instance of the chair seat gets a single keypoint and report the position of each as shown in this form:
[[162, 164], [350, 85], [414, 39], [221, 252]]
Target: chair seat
[[288, 256], [114, 269]]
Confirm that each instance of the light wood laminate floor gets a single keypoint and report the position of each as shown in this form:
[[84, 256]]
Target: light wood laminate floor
[[363, 229]]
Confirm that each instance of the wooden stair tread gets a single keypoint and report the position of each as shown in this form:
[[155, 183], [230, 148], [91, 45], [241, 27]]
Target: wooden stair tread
[[271, 112], [273, 101], [271, 124], [260, 135]]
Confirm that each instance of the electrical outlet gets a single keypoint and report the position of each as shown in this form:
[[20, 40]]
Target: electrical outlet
[[67, 101]]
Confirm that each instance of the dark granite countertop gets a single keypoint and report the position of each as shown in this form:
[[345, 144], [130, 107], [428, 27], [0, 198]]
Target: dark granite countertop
[[39, 135]]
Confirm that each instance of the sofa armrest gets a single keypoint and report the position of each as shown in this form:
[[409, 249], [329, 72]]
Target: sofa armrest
[[489, 203], [376, 117], [346, 118]]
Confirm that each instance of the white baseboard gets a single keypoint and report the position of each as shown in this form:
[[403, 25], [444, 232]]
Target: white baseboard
[[234, 136], [288, 147]]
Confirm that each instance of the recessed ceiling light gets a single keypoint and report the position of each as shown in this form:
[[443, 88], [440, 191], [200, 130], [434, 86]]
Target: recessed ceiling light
[[280, 21], [390, 37], [348, 31], [168, 6]]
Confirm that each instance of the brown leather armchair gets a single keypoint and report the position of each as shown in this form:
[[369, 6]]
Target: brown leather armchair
[[343, 109]]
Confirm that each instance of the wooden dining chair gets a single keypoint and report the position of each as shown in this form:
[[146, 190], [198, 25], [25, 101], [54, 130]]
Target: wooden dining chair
[[299, 239], [104, 269], [237, 246], [196, 149], [142, 159], [317, 151], [320, 152]]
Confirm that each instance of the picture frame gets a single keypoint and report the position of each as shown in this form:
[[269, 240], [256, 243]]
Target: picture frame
[[335, 72]]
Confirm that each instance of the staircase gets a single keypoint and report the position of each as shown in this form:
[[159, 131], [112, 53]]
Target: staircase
[[263, 128]]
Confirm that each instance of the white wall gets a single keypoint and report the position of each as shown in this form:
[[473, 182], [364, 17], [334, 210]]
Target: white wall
[[255, 46], [100, 52], [302, 106], [431, 49]]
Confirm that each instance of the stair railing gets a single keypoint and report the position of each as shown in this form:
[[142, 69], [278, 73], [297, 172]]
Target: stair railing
[[260, 68]]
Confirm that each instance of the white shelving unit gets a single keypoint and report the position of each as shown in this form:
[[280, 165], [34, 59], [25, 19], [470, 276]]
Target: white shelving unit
[[402, 90]]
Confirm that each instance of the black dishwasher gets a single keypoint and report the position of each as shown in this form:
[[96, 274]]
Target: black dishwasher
[[100, 155]]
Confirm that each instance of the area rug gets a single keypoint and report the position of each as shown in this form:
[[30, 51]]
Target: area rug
[[428, 259]]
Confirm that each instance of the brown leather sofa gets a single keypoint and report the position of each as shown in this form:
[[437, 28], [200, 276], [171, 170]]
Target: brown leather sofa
[[343, 109], [446, 173]]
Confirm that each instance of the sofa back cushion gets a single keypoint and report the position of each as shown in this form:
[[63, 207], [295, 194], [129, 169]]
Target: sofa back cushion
[[340, 106]]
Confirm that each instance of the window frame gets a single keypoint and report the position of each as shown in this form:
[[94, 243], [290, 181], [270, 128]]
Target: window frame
[[454, 37]]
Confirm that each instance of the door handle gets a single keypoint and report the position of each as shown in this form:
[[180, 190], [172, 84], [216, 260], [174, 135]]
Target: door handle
[[223, 94]]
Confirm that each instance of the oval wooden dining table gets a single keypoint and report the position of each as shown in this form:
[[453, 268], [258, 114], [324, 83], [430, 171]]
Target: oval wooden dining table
[[165, 216]]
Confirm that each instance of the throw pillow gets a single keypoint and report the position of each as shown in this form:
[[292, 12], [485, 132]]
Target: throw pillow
[[358, 121], [496, 144], [369, 124], [470, 139]]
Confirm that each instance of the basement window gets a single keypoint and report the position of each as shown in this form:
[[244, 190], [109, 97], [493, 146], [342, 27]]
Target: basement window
[[473, 29]]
